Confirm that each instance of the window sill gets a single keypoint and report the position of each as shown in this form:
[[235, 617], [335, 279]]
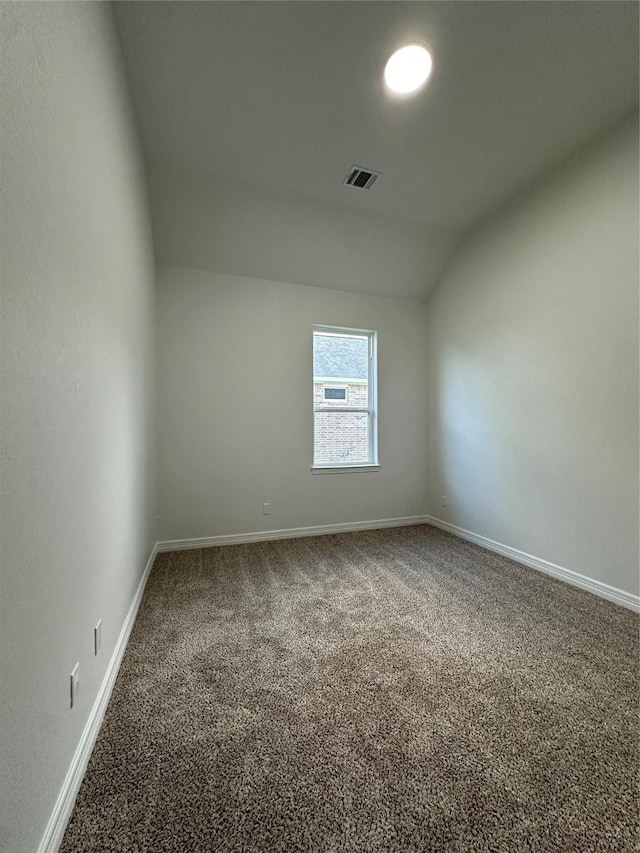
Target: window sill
[[342, 469]]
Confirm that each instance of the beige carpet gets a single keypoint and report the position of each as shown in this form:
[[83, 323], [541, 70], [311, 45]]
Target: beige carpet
[[396, 690]]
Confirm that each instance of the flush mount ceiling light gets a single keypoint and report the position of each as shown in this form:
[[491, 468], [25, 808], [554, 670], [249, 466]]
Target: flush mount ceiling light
[[408, 69]]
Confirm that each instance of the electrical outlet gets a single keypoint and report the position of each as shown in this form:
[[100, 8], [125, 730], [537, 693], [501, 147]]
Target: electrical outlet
[[266, 509], [74, 679], [97, 637], [445, 500]]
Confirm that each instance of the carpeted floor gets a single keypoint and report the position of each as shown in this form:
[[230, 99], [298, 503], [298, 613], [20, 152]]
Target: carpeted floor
[[395, 690]]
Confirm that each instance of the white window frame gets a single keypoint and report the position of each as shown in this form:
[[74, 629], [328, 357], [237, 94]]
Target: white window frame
[[371, 409]]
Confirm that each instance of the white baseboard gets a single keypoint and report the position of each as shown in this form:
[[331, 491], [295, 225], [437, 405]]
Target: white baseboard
[[291, 533], [612, 593], [57, 824]]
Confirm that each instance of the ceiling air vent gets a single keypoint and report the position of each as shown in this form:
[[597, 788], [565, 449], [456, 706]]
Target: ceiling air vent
[[361, 178]]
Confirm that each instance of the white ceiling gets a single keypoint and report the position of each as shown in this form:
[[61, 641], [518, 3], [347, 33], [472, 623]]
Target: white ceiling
[[285, 96]]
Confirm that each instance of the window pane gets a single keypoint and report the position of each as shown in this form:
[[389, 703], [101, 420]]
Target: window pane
[[341, 438], [341, 358]]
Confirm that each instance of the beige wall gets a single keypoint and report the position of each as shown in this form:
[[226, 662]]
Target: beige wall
[[235, 410], [77, 317], [533, 371]]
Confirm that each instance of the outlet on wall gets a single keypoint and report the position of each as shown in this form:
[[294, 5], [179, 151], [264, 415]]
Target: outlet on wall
[[97, 637], [266, 509], [444, 501], [74, 679]]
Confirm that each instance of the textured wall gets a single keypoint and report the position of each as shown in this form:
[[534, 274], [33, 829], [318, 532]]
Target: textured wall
[[227, 443], [533, 371], [77, 315]]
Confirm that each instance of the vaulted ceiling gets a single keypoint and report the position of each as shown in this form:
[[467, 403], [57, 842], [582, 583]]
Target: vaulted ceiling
[[252, 113]]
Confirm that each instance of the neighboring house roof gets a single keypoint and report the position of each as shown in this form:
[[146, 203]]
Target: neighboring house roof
[[340, 358]]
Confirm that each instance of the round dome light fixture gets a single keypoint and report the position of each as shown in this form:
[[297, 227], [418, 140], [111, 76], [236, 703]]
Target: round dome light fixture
[[408, 68]]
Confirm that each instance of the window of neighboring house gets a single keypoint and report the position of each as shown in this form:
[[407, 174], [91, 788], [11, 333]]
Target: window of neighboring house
[[335, 393], [344, 399]]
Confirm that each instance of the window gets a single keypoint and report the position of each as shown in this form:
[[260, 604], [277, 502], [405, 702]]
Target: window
[[344, 399], [335, 393]]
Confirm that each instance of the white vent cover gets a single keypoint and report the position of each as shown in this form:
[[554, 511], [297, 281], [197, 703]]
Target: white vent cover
[[362, 179]]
